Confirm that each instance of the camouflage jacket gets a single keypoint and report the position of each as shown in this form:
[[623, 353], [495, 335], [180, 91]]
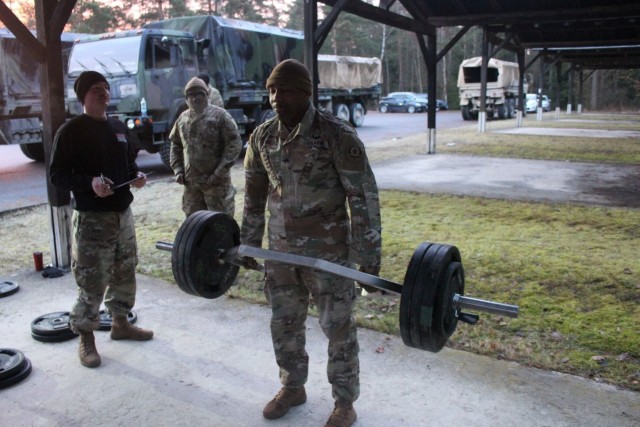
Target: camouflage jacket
[[204, 144], [307, 177], [215, 98]]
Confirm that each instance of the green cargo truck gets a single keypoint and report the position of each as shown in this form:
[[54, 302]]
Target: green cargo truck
[[148, 68]]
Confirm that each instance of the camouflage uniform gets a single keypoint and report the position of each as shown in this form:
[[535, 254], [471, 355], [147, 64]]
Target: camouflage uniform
[[103, 259], [203, 145], [215, 98], [306, 177]]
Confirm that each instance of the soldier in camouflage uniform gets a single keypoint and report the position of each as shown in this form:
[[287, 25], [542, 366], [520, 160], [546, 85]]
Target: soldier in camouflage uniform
[[205, 143], [214, 94], [312, 172], [92, 152]]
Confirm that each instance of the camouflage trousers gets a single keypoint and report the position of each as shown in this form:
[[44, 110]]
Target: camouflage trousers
[[104, 259], [288, 290], [200, 197]]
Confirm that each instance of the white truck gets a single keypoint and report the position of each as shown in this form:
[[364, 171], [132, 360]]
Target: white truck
[[502, 88]]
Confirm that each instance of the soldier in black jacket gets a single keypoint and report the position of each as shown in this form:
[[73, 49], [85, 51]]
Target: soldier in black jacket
[[91, 156]]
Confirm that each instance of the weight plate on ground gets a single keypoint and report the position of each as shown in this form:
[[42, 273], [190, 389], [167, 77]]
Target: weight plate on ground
[[445, 318], [65, 336], [7, 288], [56, 323], [431, 337], [11, 362], [106, 320], [23, 373], [195, 258], [407, 292]]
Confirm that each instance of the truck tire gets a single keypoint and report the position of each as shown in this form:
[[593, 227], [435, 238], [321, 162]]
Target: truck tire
[[34, 151], [356, 112], [341, 111], [165, 153], [502, 111], [466, 114]]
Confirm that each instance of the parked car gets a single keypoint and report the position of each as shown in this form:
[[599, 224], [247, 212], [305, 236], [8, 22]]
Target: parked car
[[532, 103], [406, 102], [441, 104]]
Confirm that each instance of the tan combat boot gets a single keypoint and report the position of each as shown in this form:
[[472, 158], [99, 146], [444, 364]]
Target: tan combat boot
[[121, 329], [343, 415], [89, 356], [285, 399]]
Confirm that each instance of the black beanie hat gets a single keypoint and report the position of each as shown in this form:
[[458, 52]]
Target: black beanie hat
[[84, 82], [293, 73]]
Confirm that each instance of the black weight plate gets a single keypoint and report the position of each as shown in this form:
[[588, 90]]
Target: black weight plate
[[407, 292], [65, 336], [106, 320], [207, 235], [420, 314], [431, 336], [179, 250], [444, 320], [11, 362], [8, 288], [56, 323], [19, 376]]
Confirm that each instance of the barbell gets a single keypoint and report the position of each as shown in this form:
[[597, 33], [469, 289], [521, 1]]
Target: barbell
[[206, 256]]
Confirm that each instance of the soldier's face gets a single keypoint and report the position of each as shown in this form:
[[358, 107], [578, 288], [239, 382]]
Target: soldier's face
[[288, 102], [97, 97], [197, 101]]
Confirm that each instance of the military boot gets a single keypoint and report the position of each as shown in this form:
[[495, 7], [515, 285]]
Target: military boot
[[285, 399], [343, 415], [89, 356], [121, 329]]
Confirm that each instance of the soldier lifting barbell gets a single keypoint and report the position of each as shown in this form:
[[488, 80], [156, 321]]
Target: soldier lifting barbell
[[207, 255]]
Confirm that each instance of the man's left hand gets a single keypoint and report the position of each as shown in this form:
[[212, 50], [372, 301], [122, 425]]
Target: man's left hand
[[141, 181]]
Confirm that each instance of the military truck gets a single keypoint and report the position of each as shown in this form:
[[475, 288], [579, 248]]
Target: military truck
[[502, 88], [20, 96], [148, 68]]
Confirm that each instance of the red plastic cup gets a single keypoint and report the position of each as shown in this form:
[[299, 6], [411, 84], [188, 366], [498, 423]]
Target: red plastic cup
[[37, 261]]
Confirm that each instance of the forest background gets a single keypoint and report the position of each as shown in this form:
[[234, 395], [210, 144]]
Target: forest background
[[403, 65]]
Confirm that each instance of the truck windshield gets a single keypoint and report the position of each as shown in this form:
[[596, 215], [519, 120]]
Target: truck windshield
[[110, 57]]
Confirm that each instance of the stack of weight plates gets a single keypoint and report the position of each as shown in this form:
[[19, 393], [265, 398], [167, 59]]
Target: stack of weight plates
[[54, 327], [14, 367]]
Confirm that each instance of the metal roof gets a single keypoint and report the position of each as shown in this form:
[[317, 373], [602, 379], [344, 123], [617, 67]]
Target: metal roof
[[589, 33]]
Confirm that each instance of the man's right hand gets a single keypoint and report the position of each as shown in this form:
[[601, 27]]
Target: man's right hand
[[179, 178]]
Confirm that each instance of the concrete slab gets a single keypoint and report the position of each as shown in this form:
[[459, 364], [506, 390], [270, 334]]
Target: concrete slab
[[515, 179], [211, 364]]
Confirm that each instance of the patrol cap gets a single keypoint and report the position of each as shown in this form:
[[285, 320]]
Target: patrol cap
[[292, 73], [196, 84], [84, 82]]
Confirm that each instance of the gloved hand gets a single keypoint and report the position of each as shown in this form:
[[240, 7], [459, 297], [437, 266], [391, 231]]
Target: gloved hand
[[179, 178], [374, 270]]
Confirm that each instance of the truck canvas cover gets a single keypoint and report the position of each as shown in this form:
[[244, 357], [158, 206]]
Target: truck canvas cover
[[500, 74], [348, 72], [241, 54]]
